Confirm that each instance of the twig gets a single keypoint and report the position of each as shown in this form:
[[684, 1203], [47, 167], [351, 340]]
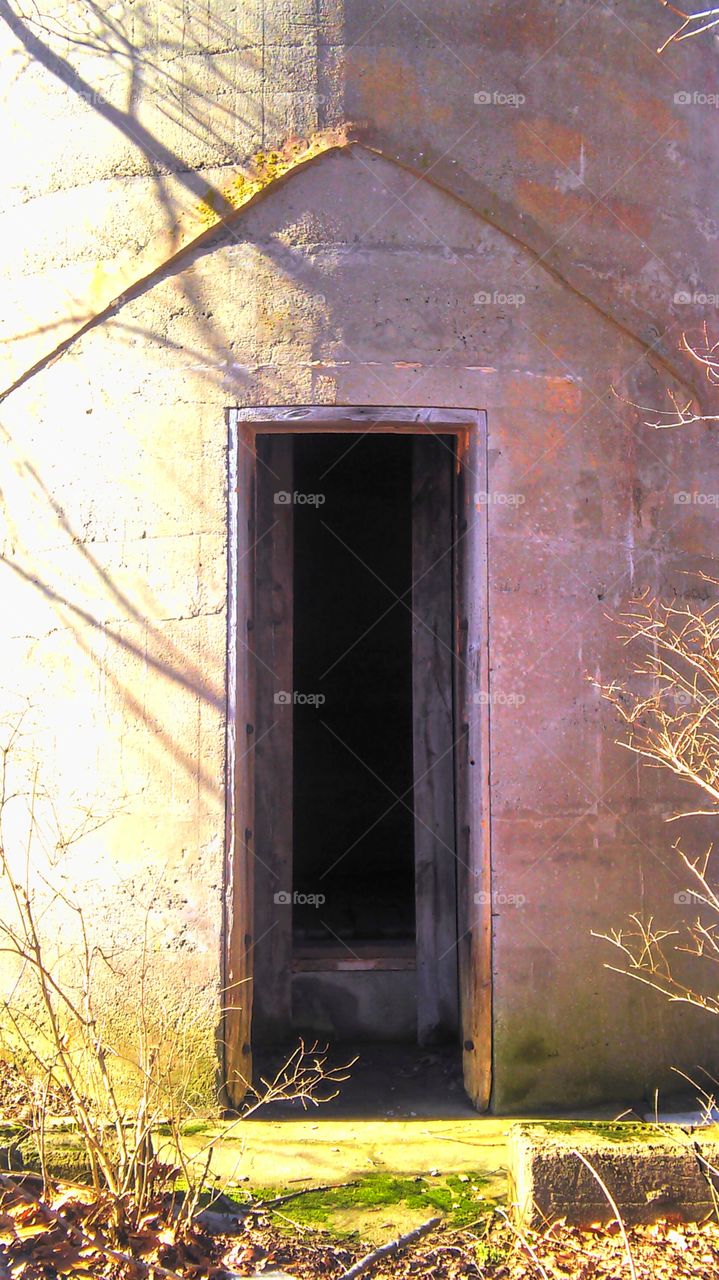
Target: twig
[[708, 18], [469, 1226], [392, 1246], [613, 1204], [304, 1191], [524, 1242], [301, 1227], [709, 1173]]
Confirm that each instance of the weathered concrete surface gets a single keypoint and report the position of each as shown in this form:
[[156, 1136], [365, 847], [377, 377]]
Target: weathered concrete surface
[[316, 1151], [386, 271], [649, 1173], [157, 107]]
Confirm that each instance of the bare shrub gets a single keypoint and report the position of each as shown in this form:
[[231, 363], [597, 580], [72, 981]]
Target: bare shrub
[[87, 1028], [669, 705]]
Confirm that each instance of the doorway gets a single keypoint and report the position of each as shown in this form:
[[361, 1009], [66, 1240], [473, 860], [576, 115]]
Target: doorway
[[353, 841], [363, 734]]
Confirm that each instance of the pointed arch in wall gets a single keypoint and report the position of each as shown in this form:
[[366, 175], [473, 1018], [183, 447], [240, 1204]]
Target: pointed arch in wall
[[218, 214]]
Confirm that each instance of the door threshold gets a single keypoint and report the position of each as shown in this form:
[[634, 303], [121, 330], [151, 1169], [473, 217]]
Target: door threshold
[[365, 955]]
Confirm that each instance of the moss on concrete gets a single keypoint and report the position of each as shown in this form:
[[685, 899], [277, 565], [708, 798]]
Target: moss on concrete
[[360, 1209], [520, 1055], [610, 1130], [373, 1206], [264, 168]]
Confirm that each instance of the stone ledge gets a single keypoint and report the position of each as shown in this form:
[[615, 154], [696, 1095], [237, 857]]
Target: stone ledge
[[650, 1173]]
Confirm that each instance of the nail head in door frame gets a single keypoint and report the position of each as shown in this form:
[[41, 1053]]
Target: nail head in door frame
[[471, 717]]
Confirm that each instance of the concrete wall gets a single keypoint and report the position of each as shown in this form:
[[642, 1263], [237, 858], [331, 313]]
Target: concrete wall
[[521, 255]]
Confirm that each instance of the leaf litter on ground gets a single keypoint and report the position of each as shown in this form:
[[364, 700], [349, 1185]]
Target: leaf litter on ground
[[65, 1230]]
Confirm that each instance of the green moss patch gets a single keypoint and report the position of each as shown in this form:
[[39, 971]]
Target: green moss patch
[[609, 1131], [381, 1204]]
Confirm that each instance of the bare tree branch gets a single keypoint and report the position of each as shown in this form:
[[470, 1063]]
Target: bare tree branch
[[691, 24]]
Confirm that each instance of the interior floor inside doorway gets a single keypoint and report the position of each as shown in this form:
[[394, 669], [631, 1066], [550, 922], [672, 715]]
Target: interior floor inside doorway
[[388, 1081]]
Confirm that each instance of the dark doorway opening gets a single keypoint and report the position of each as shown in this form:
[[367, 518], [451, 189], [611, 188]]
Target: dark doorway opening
[[354, 765], [353, 838], [268, 926]]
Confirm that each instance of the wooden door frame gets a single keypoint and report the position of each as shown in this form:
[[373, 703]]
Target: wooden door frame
[[471, 711]]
